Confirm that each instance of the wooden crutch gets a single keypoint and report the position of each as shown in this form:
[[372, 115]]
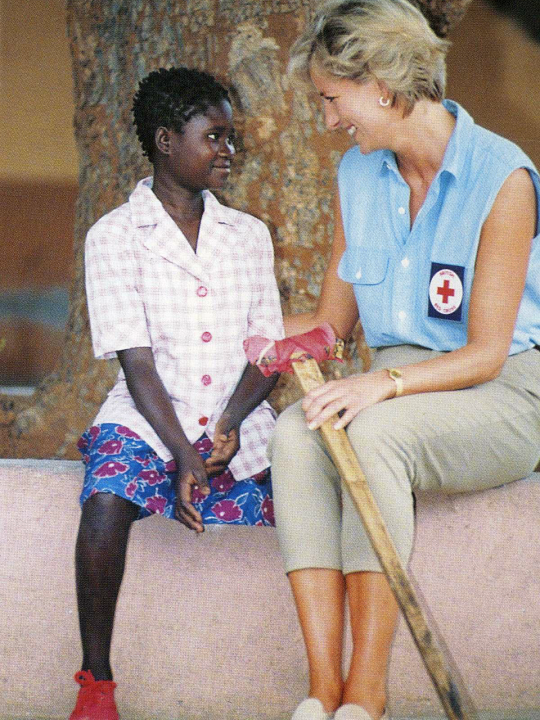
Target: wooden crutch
[[300, 354]]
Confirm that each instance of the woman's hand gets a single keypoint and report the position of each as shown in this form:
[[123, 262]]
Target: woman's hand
[[191, 472], [350, 395], [226, 445]]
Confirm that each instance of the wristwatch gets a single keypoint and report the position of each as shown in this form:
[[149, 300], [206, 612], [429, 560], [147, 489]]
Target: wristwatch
[[397, 377]]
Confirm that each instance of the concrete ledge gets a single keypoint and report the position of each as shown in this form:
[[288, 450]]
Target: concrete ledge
[[206, 626]]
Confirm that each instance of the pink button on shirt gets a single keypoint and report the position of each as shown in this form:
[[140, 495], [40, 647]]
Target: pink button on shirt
[[147, 288]]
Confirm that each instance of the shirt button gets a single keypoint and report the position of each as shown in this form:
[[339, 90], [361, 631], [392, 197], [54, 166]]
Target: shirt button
[[358, 274], [401, 210], [405, 262], [202, 291], [206, 337], [206, 380], [402, 314], [203, 421]]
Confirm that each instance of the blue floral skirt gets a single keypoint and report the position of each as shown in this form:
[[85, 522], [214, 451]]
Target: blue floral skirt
[[118, 461]]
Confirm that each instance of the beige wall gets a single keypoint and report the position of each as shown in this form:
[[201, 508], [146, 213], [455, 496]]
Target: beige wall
[[36, 111], [493, 71], [38, 186]]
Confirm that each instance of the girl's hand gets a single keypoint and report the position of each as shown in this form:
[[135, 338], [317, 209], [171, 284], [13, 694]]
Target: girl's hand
[[226, 445], [191, 472], [351, 395]]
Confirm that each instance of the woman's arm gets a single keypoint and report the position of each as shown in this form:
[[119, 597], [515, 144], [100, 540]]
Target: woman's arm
[[499, 280], [153, 402], [337, 303]]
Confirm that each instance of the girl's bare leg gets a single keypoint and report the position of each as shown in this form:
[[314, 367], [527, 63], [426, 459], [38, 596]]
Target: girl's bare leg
[[100, 558]]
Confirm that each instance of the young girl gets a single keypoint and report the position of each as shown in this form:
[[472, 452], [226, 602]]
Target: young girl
[[437, 250], [175, 283]]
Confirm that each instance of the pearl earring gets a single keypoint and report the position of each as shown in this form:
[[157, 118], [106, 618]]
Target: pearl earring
[[383, 102]]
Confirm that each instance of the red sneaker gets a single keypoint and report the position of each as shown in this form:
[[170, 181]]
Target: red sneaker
[[95, 700]]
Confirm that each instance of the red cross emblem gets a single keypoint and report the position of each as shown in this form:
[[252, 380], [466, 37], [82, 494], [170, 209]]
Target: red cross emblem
[[445, 292]]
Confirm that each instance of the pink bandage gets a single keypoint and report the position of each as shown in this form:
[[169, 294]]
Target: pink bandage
[[273, 356]]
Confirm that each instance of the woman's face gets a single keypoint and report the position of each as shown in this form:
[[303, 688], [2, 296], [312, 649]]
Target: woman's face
[[355, 108]]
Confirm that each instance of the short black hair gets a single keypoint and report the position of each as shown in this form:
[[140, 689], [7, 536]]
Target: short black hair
[[170, 98]]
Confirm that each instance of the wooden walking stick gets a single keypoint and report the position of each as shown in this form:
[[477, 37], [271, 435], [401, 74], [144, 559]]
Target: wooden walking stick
[[301, 354]]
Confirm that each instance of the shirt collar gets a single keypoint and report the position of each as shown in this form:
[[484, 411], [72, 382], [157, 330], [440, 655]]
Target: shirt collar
[[216, 212], [455, 154], [456, 151], [144, 205], [146, 209]]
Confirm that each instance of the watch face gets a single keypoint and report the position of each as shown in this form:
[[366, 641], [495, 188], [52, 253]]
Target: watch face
[[395, 373]]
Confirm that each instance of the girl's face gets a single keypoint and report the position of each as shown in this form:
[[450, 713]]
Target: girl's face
[[200, 156], [355, 107]]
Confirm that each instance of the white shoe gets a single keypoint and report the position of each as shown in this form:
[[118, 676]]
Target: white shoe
[[355, 712], [311, 709]]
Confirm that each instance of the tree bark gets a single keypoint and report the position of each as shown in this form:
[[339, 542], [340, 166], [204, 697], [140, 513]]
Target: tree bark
[[284, 172]]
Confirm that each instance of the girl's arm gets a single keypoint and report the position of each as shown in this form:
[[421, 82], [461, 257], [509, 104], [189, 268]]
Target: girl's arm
[[499, 280], [337, 303], [253, 387], [153, 402]]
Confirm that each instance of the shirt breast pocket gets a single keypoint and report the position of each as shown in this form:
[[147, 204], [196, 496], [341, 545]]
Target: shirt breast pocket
[[363, 266], [367, 270]]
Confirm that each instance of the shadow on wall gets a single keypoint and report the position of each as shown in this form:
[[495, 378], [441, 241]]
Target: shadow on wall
[[525, 12], [36, 228], [492, 71]]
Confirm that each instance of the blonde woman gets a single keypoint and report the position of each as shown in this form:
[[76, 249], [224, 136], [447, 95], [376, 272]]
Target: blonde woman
[[437, 250]]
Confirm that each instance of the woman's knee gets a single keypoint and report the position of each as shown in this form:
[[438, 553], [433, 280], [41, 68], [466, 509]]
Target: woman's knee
[[290, 431], [383, 440]]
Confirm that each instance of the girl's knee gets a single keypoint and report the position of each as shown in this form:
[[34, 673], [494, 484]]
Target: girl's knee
[[106, 509]]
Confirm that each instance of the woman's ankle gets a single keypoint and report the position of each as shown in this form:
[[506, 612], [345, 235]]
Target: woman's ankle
[[374, 705], [329, 694], [368, 692]]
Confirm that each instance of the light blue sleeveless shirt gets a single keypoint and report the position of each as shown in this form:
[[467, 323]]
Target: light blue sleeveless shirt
[[413, 286]]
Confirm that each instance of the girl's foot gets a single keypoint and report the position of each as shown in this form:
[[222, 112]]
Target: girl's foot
[[95, 700]]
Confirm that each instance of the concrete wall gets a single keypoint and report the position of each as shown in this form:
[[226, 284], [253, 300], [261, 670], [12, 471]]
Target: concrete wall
[[206, 628]]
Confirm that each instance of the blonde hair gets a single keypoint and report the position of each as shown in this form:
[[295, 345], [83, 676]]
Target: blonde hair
[[389, 41]]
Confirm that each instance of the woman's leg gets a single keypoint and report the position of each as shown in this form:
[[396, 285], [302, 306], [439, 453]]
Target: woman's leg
[[373, 615], [319, 597], [100, 559], [460, 441], [307, 505], [321, 536], [307, 495]]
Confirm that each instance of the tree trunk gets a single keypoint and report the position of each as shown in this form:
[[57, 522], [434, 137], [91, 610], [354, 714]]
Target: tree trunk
[[284, 172]]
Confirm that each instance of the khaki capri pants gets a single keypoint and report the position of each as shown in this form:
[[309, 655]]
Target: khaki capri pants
[[456, 441]]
